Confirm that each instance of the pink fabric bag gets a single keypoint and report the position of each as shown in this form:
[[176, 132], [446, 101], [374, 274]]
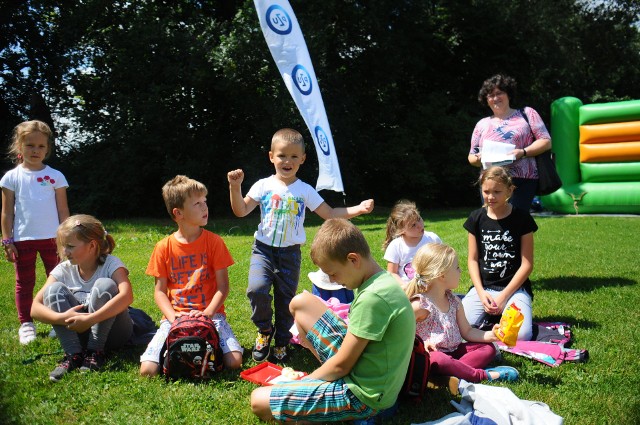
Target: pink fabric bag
[[550, 347]]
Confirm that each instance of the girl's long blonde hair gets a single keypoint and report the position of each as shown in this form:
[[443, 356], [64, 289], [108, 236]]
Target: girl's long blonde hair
[[403, 212], [85, 228], [430, 262]]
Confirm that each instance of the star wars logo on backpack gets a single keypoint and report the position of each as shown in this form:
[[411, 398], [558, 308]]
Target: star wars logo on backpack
[[192, 349]]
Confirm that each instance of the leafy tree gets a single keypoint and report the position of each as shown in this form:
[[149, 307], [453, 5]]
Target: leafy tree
[[31, 69], [146, 90], [148, 100]]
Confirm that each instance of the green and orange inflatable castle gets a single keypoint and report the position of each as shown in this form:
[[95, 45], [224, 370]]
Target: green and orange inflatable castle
[[597, 151]]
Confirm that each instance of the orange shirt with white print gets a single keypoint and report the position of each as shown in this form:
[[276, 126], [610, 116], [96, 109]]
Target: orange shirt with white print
[[190, 269]]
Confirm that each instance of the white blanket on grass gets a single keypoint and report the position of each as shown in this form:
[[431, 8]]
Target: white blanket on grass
[[488, 405]]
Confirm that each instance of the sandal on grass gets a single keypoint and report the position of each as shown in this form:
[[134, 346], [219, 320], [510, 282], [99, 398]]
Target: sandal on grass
[[506, 373]]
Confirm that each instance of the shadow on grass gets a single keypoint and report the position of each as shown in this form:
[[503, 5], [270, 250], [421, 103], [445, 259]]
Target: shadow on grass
[[544, 380], [581, 284], [34, 358], [448, 214], [225, 226], [4, 413], [582, 324], [246, 226], [124, 359], [139, 225]]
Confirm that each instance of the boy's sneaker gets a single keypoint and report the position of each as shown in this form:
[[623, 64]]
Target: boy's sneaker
[[280, 354], [68, 363], [92, 361], [261, 348], [27, 333]]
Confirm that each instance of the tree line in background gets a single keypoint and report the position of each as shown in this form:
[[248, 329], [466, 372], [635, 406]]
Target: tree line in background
[[140, 91]]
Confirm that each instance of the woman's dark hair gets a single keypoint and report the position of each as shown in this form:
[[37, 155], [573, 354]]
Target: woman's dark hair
[[503, 82]]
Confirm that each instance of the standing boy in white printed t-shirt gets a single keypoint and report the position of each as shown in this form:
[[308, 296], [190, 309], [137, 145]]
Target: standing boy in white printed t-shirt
[[275, 258]]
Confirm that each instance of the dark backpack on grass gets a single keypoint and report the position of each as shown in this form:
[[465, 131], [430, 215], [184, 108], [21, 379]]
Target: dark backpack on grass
[[192, 349], [144, 328], [415, 382]]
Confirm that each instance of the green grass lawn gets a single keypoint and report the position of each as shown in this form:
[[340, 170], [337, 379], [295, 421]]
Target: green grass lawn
[[586, 272]]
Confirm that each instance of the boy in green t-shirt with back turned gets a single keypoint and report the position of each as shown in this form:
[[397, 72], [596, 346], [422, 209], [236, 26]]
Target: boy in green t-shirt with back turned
[[363, 365]]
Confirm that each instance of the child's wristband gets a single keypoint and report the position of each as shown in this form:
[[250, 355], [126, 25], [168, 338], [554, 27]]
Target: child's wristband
[[6, 242]]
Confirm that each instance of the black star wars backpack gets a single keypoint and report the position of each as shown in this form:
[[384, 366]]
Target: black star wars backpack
[[192, 349]]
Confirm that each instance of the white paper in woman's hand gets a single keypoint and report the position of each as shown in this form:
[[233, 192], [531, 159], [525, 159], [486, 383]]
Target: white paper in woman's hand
[[497, 153]]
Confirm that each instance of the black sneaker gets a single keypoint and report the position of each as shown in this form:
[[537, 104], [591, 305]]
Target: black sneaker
[[92, 361], [280, 354], [261, 348], [68, 363]]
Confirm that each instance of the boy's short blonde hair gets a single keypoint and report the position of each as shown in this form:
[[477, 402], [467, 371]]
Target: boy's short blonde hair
[[288, 136], [176, 191], [336, 239]]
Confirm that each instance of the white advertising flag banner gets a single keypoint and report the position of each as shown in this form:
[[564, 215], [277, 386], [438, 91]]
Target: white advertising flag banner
[[289, 50]]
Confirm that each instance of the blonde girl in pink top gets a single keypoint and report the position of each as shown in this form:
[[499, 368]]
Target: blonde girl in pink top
[[442, 324]]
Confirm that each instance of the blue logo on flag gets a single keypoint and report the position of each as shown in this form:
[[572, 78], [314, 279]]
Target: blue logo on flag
[[323, 140], [302, 79], [278, 20]]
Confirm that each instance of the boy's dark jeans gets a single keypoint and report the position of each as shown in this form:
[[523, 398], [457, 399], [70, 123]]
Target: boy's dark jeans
[[278, 268]]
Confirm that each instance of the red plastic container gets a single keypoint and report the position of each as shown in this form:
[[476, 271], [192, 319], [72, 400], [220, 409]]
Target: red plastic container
[[261, 374], [264, 374]]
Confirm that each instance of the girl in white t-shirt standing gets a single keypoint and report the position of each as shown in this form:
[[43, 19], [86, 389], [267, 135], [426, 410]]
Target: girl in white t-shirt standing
[[34, 203], [405, 235]]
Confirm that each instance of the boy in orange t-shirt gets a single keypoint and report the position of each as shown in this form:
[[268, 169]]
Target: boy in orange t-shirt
[[190, 269]]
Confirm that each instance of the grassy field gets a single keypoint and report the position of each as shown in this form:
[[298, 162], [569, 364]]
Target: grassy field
[[586, 272]]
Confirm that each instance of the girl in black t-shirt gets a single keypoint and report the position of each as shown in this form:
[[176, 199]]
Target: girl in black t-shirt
[[500, 256]]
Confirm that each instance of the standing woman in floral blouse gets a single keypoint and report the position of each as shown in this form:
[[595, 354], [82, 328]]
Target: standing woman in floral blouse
[[508, 125]]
